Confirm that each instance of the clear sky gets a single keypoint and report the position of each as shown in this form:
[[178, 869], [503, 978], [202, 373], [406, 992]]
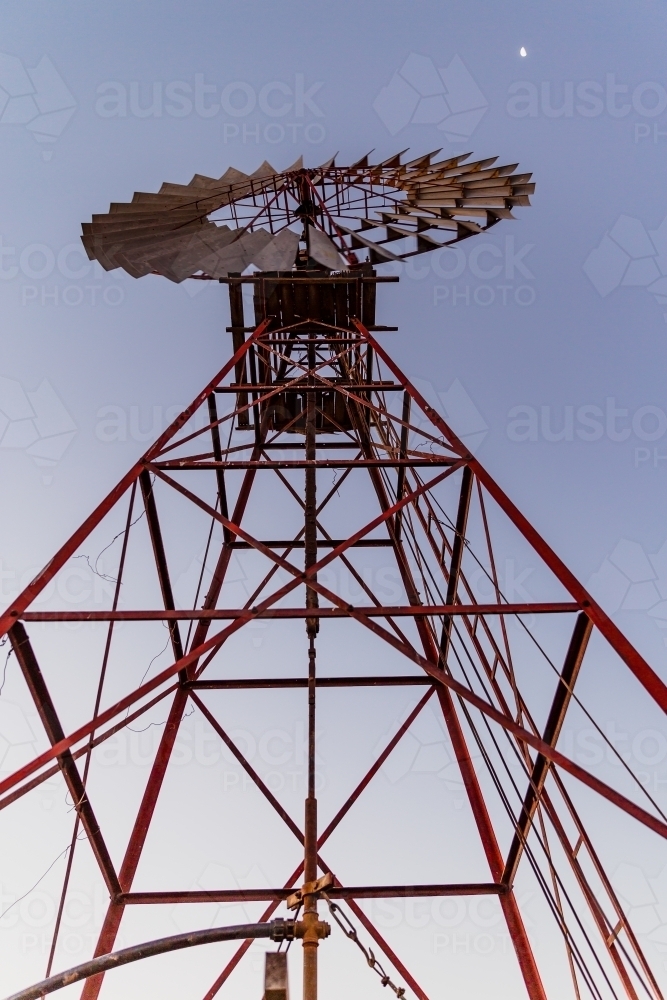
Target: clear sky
[[548, 342]]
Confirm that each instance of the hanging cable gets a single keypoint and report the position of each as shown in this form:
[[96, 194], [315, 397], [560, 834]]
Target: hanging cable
[[527, 849]]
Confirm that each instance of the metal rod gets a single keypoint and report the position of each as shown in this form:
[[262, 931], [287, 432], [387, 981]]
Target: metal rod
[[310, 943], [217, 452], [343, 279], [400, 485], [321, 543], [160, 559], [331, 384], [335, 892], [177, 464], [388, 611], [248, 768], [255, 683], [457, 557]]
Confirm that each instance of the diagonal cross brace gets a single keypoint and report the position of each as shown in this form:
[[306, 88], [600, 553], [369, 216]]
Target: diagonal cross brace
[[573, 660], [457, 557], [324, 836], [43, 702], [430, 667], [630, 656], [160, 560]]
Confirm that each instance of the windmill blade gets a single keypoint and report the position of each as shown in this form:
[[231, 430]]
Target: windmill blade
[[359, 241], [362, 163], [297, 165], [189, 260], [324, 250], [279, 254], [421, 161], [237, 256]]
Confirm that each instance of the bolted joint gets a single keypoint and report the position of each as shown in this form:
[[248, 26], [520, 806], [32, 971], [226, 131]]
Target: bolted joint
[[282, 930], [311, 930]]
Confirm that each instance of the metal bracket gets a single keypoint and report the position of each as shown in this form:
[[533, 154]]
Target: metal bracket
[[309, 889]]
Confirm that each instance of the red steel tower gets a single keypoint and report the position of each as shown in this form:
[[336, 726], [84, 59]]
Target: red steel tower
[[308, 394]]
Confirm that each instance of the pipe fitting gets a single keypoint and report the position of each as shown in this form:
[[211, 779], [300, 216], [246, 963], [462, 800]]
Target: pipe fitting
[[311, 929]]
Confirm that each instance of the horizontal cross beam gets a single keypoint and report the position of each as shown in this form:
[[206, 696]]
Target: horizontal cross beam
[[335, 892], [300, 445], [289, 340], [321, 543], [352, 386], [405, 611], [176, 464], [302, 682], [346, 279]]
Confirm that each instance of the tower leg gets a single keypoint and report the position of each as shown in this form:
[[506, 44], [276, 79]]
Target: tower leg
[[114, 914], [515, 925]]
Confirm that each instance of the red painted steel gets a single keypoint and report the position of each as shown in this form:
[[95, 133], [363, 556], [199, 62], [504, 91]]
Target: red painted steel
[[637, 664], [447, 622], [415, 611], [335, 892]]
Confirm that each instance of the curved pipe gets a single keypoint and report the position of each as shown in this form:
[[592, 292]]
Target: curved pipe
[[277, 930]]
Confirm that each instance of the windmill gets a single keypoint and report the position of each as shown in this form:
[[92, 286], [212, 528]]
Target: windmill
[[308, 391]]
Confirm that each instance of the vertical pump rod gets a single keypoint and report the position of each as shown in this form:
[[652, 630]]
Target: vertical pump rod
[[310, 941]]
